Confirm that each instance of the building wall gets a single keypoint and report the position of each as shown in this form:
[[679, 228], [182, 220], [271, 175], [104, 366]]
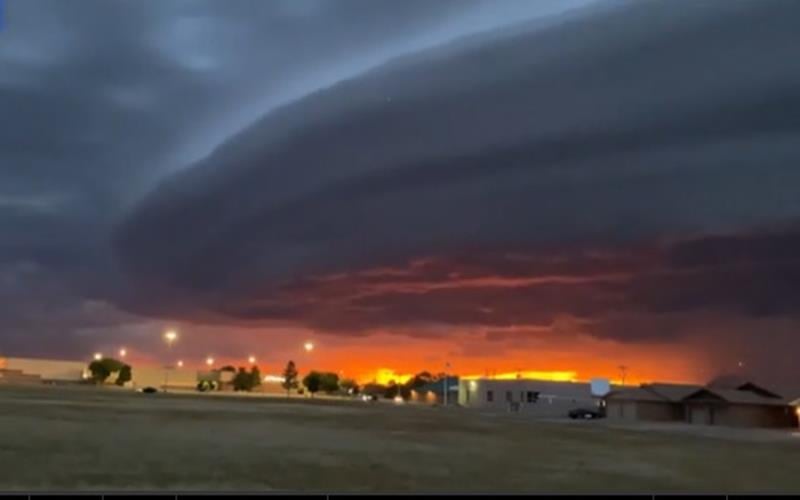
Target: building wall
[[426, 397], [47, 369], [620, 410], [701, 414], [652, 411], [536, 397], [754, 416], [179, 378], [656, 411]]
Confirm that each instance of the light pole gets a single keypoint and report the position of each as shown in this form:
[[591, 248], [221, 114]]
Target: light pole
[[308, 346], [445, 384], [623, 371], [169, 337], [123, 352], [251, 359], [98, 356]]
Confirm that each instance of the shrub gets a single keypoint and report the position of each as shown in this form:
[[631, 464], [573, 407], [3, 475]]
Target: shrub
[[124, 375]]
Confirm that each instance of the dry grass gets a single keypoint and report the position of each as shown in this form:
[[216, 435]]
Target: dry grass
[[83, 439]]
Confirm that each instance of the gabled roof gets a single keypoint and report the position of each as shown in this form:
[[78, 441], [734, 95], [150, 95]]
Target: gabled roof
[[672, 392], [737, 382], [749, 386], [735, 396], [635, 394]]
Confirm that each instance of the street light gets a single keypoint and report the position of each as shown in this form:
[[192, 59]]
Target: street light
[[445, 385], [308, 346], [98, 356], [180, 364], [210, 361], [170, 337], [251, 360], [123, 352]]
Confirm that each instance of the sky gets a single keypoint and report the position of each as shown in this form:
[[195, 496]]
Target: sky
[[462, 185]]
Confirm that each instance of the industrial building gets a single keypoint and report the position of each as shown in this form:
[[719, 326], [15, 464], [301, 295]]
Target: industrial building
[[741, 405], [434, 392], [534, 397], [32, 370], [158, 377], [37, 371]]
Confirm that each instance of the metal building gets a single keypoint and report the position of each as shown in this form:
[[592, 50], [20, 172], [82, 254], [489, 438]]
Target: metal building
[[543, 398]]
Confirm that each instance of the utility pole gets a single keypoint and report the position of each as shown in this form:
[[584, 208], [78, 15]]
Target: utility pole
[[445, 383], [623, 372]]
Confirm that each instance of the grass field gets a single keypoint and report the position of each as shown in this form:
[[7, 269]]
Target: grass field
[[84, 439]]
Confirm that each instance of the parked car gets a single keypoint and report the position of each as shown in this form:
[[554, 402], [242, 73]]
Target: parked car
[[585, 414], [148, 390]]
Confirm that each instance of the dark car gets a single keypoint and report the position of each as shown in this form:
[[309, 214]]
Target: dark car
[[149, 390], [585, 414]]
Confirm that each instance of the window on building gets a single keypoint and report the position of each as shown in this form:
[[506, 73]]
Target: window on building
[[509, 396], [532, 397], [489, 396]]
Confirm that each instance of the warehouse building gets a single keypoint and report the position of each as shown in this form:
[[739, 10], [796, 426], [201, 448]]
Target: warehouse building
[[543, 398], [34, 370], [161, 378]]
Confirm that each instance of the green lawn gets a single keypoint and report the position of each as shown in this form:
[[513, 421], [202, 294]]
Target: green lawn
[[86, 438]]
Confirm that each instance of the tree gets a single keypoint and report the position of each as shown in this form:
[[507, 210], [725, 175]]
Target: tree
[[255, 377], [124, 375], [242, 381], [228, 368], [289, 377], [348, 385], [391, 391], [312, 382], [329, 382], [103, 368], [99, 372], [419, 380]]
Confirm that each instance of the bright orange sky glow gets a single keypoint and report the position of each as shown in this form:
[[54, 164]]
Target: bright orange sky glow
[[386, 357]]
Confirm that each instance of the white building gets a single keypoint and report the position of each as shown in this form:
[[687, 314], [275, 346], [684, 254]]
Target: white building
[[536, 397]]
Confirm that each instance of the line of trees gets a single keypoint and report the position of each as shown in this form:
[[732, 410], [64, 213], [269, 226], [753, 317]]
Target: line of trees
[[246, 381], [316, 381]]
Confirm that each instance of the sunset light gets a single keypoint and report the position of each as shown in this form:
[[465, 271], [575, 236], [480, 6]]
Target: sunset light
[[349, 247], [386, 376], [555, 376]]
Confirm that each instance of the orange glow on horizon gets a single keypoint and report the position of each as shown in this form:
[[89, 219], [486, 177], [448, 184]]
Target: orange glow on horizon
[[554, 376], [385, 376]]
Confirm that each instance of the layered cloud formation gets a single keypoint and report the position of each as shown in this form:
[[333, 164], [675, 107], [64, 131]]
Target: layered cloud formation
[[620, 132]]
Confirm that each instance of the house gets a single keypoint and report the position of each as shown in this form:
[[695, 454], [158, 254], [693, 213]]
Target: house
[[737, 408], [652, 402], [543, 398], [734, 404]]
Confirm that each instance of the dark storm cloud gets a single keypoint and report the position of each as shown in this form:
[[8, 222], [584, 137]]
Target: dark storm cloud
[[619, 127], [100, 99]]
